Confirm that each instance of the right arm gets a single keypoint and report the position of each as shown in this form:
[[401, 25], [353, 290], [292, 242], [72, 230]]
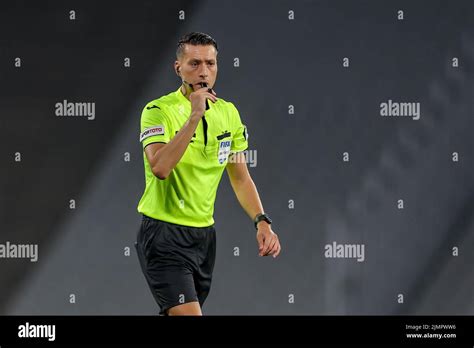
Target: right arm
[[163, 157]]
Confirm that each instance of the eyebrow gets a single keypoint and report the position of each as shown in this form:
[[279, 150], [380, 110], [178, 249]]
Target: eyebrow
[[199, 60]]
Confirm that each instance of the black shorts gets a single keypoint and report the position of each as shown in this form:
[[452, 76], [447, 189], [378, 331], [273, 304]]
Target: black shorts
[[177, 261]]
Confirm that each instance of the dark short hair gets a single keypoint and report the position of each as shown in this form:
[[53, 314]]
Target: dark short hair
[[194, 38]]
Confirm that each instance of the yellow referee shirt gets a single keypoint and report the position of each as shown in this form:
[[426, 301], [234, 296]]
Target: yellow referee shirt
[[186, 197]]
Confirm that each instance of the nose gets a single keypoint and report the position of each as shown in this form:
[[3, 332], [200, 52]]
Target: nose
[[204, 71]]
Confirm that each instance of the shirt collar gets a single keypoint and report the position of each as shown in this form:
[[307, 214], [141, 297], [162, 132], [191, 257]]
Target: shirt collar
[[181, 96]]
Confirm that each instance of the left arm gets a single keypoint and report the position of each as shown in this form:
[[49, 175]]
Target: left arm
[[247, 195]]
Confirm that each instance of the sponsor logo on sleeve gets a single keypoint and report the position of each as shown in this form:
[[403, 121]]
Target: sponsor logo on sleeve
[[149, 132]]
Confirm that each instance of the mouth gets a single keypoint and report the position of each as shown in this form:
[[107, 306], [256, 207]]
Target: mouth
[[203, 84]]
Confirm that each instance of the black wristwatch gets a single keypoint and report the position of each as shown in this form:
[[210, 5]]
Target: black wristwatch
[[261, 217]]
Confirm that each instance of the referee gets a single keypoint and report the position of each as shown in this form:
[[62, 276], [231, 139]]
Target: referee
[[189, 136]]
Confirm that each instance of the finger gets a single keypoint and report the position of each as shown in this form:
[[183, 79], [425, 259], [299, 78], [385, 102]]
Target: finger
[[266, 245], [198, 88], [260, 242], [271, 249], [210, 90], [275, 248], [278, 251], [211, 96]]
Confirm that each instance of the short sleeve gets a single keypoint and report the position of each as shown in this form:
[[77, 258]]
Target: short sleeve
[[240, 134], [154, 126]]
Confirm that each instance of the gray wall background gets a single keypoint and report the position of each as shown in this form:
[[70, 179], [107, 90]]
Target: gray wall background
[[282, 62]]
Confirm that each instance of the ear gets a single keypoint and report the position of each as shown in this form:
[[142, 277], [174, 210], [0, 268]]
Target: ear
[[177, 68]]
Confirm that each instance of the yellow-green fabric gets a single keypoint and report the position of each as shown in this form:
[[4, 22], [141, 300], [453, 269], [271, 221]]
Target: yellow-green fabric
[[187, 196]]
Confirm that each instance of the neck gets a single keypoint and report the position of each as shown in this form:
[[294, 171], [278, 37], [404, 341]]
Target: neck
[[184, 91]]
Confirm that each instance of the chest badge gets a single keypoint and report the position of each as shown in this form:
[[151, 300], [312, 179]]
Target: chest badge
[[223, 150]]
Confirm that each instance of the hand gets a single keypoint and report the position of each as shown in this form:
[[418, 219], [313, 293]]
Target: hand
[[198, 100], [268, 243]]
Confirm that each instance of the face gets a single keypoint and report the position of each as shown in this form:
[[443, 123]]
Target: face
[[198, 64]]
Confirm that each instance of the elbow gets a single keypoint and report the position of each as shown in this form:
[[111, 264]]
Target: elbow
[[160, 173]]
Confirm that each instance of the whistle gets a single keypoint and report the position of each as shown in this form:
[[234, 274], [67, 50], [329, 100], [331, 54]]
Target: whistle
[[203, 84]]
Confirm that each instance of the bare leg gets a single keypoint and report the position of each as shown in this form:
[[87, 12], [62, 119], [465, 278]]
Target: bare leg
[[190, 308]]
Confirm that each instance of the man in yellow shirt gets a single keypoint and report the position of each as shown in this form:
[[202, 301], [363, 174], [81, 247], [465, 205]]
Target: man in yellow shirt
[[189, 136]]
